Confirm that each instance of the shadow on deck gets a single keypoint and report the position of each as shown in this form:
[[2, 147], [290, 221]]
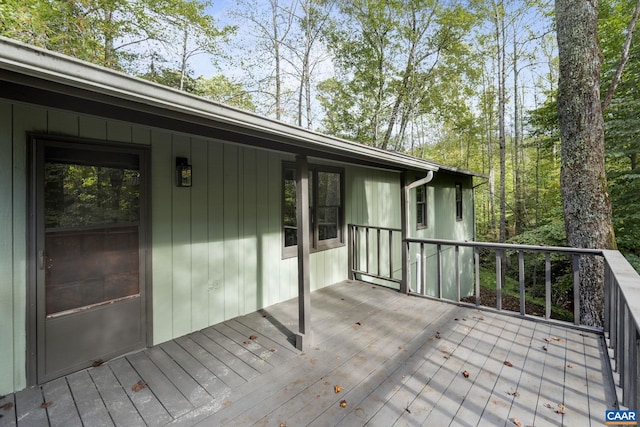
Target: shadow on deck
[[398, 360]]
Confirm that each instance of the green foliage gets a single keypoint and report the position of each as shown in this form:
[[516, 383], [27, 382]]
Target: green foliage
[[220, 88], [113, 33], [396, 61]]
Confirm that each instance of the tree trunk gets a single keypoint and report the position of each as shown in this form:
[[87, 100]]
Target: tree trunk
[[586, 203], [276, 55], [500, 45]]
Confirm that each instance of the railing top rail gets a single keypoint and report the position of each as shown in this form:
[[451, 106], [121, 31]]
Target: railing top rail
[[375, 227], [508, 246], [628, 281]]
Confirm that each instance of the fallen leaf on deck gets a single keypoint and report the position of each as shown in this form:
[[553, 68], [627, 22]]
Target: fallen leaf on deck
[[272, 350], [569, 366], [97, 363], [343, 404], [337, 388], [547, 339], [46, 405], [138, 386], [227, 403], [517, 422], [513, 393], [544, 347], [7, 406], [465, 374], [358, 323], [246, 342], [437, 335], [253, 337], [283, 425], [557, 339], [561, 409], [507, 363]]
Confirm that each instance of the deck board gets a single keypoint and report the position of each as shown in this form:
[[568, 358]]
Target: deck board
[[398, 359], [88, 401], [62, 410]]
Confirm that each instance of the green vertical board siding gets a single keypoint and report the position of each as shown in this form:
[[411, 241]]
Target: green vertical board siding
[[263, 210], [118, 132], [215, 212], [199, 235], [62, 123], [162, 178], [252, 297], [93, 127], [25, 119], [141, 135], [181, 241], [7, 284], [231, 232]]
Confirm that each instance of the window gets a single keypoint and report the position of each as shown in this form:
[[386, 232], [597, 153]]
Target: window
[[421, 206], [326, 201], [458, 201]]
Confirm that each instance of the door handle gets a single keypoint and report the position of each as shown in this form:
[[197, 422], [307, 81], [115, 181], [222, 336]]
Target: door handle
[[41, 259]]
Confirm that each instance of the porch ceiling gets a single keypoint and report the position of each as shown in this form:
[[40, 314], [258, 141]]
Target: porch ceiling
[[399, 360], [33, 75]]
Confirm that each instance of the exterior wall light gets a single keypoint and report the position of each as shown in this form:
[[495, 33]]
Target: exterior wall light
[[183, 172]]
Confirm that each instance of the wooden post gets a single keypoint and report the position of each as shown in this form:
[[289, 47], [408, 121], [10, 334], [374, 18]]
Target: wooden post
[[303, 338], [404, 223]]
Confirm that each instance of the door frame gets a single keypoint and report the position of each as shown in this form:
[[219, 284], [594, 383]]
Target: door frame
[[33, 321]]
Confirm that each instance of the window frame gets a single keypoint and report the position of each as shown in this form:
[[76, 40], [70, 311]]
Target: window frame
[[421, 206], [458, 199], [315, 245]]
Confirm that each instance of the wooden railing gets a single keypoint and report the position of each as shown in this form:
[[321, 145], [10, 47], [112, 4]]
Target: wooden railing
[[376, 253]]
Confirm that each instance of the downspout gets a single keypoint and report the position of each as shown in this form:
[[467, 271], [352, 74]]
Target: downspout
[[405, 220]]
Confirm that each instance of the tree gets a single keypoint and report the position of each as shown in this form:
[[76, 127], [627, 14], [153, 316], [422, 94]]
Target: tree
[[395, 61], [585, 198]]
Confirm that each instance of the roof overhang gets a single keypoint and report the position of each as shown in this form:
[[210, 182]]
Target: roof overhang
[[41, 77]]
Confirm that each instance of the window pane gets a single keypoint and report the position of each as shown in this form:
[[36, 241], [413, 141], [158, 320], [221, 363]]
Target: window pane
[[458, 201], [421, 214], [79, 195], [328, 211], [289, 209]]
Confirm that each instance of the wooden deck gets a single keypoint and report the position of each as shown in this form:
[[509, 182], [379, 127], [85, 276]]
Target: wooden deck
[[399, 360]]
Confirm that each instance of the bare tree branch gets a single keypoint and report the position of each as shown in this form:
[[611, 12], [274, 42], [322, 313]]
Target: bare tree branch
[[623, 59]]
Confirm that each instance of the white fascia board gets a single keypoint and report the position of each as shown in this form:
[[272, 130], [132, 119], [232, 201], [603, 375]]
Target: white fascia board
[[51, 66]]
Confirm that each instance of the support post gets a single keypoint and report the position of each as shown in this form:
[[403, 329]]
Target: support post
[[303, 338], [404, 223]]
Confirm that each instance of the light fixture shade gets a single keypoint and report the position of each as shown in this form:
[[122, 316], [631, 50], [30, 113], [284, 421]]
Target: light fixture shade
[[183, 172]]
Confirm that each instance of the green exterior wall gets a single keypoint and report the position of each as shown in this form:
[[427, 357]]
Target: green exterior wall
[[216, 247], [443, 224]]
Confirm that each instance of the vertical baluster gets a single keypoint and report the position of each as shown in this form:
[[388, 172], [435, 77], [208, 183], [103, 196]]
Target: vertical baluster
[[421, 265], [521, 281], [378, 248], [607, 298], [366, 258], [576, 289], [476, 256], [632, 364], [499, 279], [547, 285], [391, 253], [439, 259], [457, 250], [351, 251]]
